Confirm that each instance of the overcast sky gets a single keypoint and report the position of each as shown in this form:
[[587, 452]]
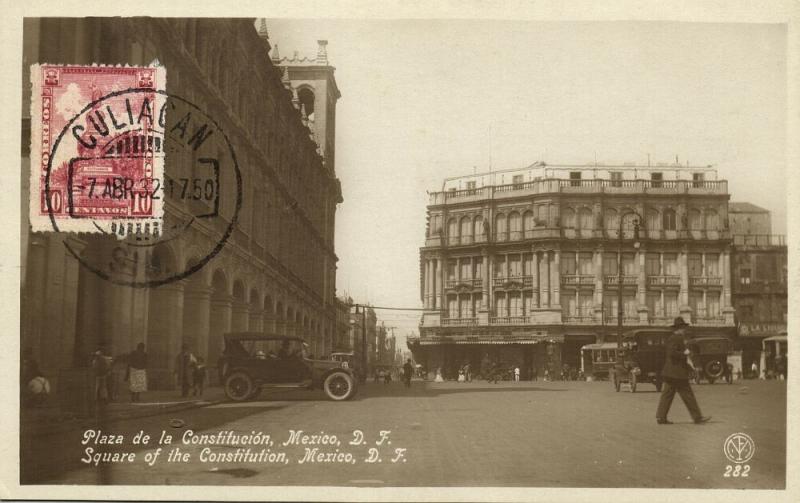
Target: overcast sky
[[424, 100]]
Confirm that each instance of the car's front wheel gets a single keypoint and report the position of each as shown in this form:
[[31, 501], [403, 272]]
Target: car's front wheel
[[339, 386], [239, 386]]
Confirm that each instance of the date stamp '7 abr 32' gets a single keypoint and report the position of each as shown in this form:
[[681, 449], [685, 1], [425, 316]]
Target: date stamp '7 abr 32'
[[97, 152]]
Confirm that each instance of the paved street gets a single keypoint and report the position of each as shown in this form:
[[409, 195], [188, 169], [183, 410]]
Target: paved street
[[557, 434]]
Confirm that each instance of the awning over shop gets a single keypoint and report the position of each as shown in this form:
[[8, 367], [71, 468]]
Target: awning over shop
[[488, 339]]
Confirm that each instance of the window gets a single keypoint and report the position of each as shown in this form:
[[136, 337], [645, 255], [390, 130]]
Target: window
[[528, 223], [470, 185], [745, 312], [585, 264], [451, 269], [610, 264], [656, 180], [712, 220], [695, 265], [585, 219], [585, 304], [466, 228], [695, 220], [568, 265], [500, 305], [629, 305], [670, 262], [515, 304], [654, 304], [670, 220], [616, 178], [452, 307], [570, 305], [479, 228], [466, 306], [697, 180], [628, 264], [612, 220], [466, 269], [476, 303], [575, 178], [696, 303], [517, 181], [712, 265], [500, 227], [452, 229], [652, 264], [477, 268], [515, 266], [712, 304], [671, 304], [568, 218], [499, 266], [744, 277], [515, 225]]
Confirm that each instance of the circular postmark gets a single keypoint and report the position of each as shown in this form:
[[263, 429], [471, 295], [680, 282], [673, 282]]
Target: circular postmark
[[142, 167], [739, 448]]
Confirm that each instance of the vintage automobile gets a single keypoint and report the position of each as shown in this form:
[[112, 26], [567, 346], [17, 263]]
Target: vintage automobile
[[252, 361], [709, 356], [645, 359]]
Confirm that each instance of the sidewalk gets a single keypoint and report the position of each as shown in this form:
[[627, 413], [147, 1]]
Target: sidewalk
[[50, 418]]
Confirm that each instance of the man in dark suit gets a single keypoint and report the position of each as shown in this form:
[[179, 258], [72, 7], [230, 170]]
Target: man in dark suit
[[676, 376]]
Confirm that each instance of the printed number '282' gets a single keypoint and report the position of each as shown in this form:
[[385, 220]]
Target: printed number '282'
[[737, 471]]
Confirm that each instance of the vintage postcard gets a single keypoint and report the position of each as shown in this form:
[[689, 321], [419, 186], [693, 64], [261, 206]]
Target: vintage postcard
[[268, 254]]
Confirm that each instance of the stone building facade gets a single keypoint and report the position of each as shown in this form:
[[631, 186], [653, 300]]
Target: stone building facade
[[277, 272], [522, 265]]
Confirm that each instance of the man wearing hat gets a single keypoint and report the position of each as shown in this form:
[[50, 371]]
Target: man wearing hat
[[676, 376]]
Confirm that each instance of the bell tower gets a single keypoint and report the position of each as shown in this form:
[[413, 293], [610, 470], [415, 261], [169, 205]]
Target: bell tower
[[315, 86]]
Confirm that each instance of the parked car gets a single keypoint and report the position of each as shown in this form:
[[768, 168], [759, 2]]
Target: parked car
[[644, 359], [709, 355], [253, 361]]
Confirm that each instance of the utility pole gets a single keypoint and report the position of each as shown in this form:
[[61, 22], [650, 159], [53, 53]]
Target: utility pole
[[620, 271]]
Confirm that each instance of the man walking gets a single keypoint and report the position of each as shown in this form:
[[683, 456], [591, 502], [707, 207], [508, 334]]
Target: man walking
[[676, 377], [407, 370]]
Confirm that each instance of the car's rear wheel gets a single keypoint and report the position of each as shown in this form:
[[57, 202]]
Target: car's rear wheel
[[339, 386], [239, 386]]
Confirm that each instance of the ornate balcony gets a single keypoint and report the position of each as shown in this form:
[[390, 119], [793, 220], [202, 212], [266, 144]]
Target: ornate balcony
[[463, 283], [459, 322], [664, 280], [509, 320], [513, 282], [578, 279], [706, 281], [578, 319], [613, 280]]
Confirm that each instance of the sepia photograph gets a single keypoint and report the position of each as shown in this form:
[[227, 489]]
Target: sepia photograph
[[411, 253]]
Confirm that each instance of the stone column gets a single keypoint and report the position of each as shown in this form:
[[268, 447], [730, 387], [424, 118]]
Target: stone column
[[545, 279], [241, 317], [256, 321], [728, 310], [555, 279], [535, 279], [165, 333], [598, 284], [221, 313], [683, 294], [439, 282], [485, 282], [641, 285], [196, 317], [426, 281]]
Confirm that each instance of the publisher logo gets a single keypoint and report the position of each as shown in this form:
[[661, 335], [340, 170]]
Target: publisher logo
[[739, 448]]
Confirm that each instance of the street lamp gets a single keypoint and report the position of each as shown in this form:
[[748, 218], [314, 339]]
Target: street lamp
[[619, 273]]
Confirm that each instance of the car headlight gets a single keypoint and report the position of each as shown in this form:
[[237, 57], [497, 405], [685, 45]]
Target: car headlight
[[345, 365], [637, 370]]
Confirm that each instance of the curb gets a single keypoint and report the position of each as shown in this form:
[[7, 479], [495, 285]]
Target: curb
[[63, 426]]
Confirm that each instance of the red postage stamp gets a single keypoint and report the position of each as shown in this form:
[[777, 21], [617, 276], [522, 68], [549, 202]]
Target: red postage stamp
[[97, 157]]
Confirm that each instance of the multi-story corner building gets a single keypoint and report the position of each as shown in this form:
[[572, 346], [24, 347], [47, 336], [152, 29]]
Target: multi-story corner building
[[277, 271], [759, 279], [522, 265]]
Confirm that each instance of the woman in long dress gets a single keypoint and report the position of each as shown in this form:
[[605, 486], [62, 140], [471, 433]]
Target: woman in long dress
[[137, 372]]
